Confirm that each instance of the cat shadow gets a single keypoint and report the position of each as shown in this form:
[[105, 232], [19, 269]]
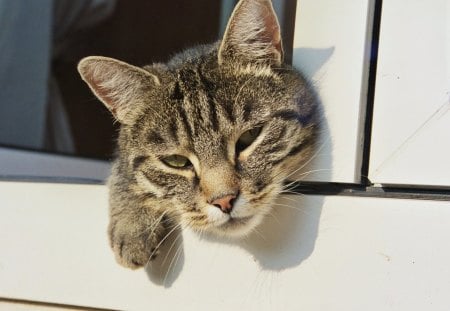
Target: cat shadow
[[166, 268], [288, 235], [310, 60]]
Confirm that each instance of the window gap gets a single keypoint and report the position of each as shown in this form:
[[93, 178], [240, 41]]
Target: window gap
[[420, 192], [371, 93]]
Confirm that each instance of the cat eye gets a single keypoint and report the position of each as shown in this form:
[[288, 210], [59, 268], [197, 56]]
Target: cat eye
[[177, 161], [247, 138]]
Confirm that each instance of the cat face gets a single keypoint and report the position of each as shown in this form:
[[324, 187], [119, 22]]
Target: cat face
[[212, 134], [220, 142]]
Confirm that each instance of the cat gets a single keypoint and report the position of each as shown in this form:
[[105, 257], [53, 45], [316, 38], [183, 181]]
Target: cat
[[207, 139]]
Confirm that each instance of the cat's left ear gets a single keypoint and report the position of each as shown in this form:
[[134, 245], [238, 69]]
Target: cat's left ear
[[120, 86], [252, 35]]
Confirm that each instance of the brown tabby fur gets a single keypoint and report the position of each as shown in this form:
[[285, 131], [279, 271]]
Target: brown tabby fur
[[197, 106]]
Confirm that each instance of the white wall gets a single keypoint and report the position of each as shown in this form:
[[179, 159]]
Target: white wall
[[332, 47], [411, 121], [322, 253]]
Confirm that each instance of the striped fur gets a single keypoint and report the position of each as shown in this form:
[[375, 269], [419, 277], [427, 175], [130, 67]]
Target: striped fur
[[197, 106]]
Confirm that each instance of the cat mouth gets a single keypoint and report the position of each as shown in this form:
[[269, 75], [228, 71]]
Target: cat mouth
[[234, 222]]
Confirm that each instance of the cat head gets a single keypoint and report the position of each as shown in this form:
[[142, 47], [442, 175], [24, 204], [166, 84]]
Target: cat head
[[213, 133]]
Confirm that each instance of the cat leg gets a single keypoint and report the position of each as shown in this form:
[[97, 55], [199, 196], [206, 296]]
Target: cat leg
[[135, 233]]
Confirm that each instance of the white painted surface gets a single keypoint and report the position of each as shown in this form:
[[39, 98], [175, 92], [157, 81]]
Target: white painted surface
[[411, 121], [28, 164], [22, 306], [331, 46], [324, 253]]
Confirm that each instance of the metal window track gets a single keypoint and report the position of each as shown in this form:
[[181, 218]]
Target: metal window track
[[375, 191]]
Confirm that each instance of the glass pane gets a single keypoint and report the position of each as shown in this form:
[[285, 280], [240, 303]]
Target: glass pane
[[45, 106]]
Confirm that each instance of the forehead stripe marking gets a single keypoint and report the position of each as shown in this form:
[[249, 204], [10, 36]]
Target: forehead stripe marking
[[138, 161], [208, 89], [185, 121], [173, 130], [247, 109], [155, 137], [294, 115]]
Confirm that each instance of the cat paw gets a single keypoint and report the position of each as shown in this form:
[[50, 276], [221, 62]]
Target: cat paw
[[133, 255], [133, 251]]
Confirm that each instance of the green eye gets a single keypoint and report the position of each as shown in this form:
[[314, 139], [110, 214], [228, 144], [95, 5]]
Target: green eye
[[247, 138], [177, 161]]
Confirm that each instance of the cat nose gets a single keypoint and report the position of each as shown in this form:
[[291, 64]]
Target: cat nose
[[225, 203]]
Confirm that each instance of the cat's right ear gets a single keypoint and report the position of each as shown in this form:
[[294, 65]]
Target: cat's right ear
[[252, 35], [120, 86]]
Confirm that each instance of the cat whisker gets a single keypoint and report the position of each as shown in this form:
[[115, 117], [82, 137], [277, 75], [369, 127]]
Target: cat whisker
[[314, 171], [292, 207], [289, 192], [153, 227], [259, 234], [173, 262], [305, 174], [162, 241], [308, 161], [274, 217], [290, 199], [285, 174], [174, 242]]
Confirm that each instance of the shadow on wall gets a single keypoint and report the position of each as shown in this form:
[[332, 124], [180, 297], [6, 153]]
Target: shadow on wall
[[289, 233], [287, 236], [310, 60], [166, 268]]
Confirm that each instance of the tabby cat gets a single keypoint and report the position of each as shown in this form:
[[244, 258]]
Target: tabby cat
[[206, 140]]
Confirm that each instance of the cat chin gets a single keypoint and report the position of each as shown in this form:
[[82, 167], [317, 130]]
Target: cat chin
[[236, 228], [239, 223]]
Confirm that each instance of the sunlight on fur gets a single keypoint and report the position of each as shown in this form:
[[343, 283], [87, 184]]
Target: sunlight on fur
[[207, 140]]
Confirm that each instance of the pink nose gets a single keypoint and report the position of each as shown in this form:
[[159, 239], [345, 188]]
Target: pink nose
[[225, 203]]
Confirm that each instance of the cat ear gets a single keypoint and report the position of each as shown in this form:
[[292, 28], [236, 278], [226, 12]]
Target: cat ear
[[252, 34], [120, 86]]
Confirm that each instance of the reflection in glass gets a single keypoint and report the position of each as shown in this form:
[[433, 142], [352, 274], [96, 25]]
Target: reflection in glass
[[45, 106]]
